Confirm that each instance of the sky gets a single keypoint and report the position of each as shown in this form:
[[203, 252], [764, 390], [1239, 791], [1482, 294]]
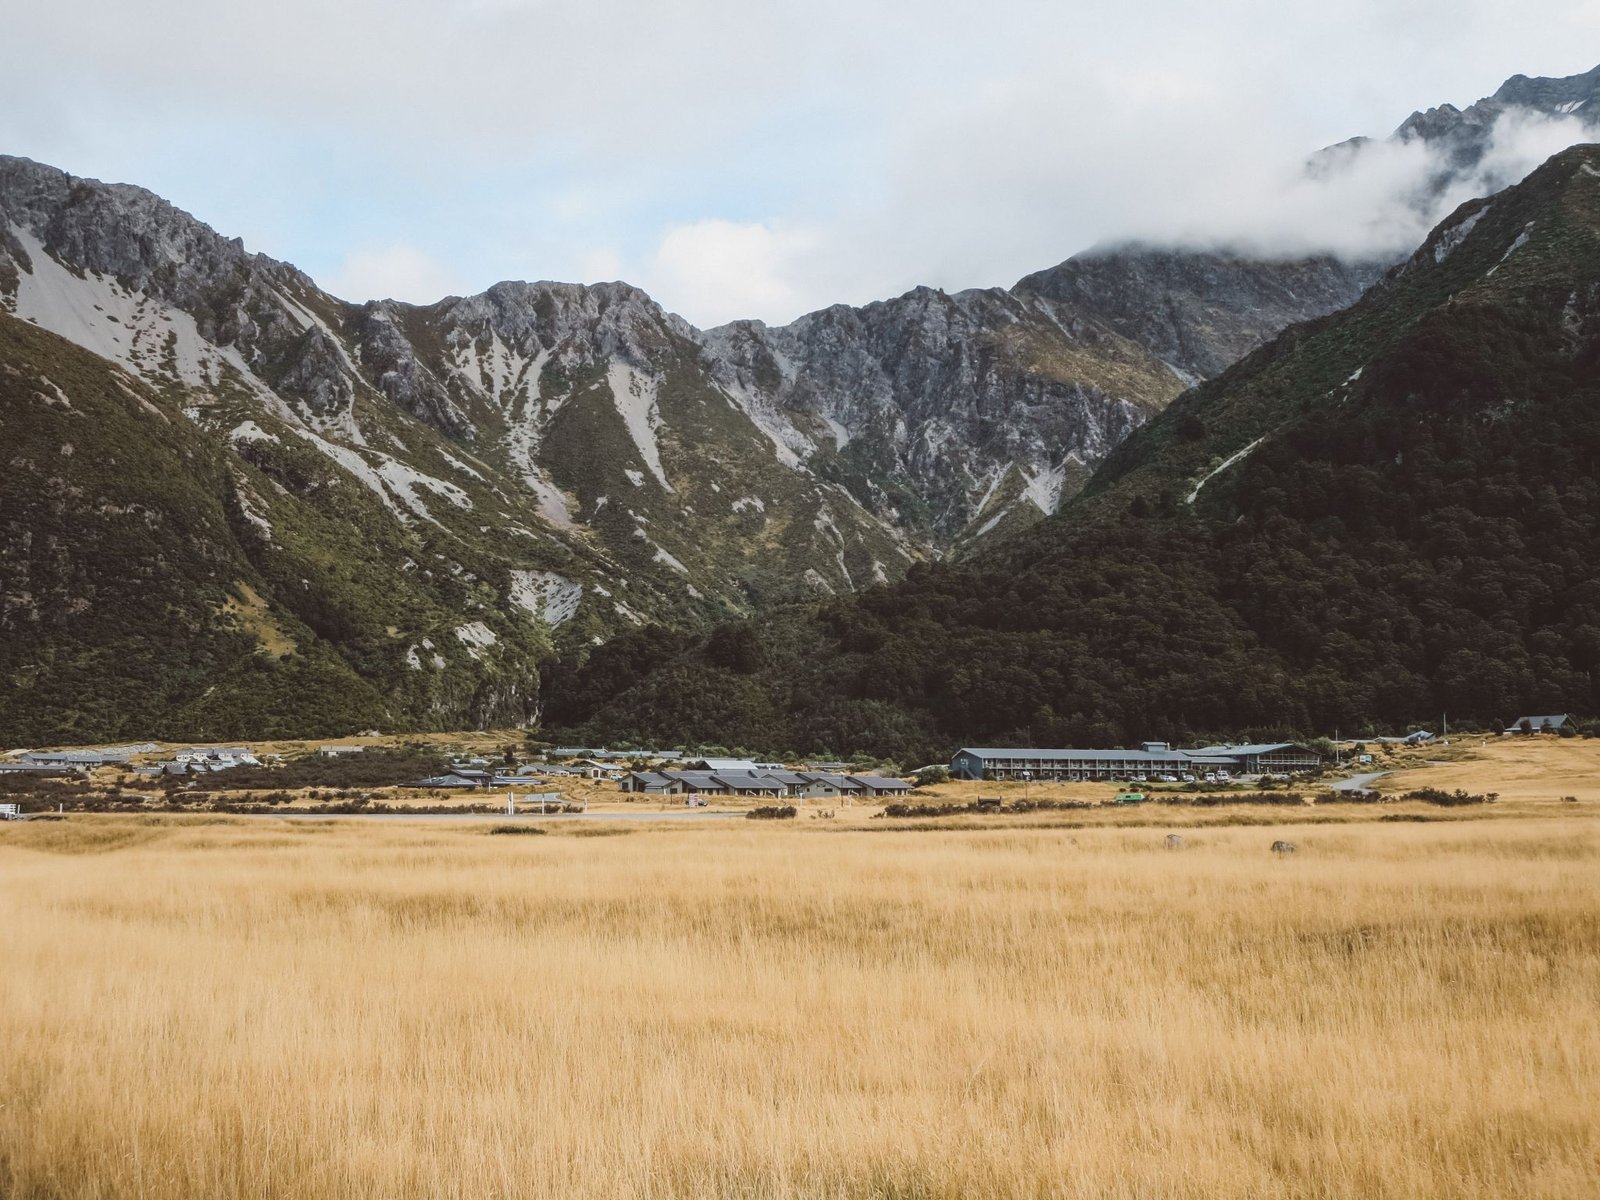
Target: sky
[[741, 159]]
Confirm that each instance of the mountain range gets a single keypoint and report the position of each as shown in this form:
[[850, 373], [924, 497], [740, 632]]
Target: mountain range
[[236, 505]]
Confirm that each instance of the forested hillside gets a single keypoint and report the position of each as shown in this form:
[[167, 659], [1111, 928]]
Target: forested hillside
[[1385, 514]]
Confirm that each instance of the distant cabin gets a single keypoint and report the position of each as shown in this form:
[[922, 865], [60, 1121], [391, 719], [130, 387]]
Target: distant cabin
[[1547, 724]]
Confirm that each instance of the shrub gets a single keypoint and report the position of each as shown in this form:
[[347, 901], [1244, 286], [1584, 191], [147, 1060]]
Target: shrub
[[1455, 799], [773, 812]]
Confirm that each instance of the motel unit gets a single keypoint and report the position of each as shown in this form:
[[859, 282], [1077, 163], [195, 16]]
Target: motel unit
[[1152, 758]]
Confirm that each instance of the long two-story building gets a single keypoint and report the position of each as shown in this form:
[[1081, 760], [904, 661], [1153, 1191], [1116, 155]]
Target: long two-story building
[[1152, 758]]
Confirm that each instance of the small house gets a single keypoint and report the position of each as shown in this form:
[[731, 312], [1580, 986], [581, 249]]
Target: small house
[[1546, 724]]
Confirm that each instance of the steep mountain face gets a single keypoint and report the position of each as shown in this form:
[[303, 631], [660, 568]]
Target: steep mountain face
[[1201, 311], [961, 418], [1465, 135], [1384, 514], [577, 418], [948, 415]]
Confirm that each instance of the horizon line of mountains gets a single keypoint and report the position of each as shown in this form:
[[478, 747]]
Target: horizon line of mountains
[[236, 505]]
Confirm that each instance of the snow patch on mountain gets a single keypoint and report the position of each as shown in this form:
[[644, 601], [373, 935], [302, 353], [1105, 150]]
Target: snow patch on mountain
[[1454, 236], [249, 431], [1236, 456], [788, 443], [664, 556], [476, 637], [551, 597], [404, 481], [1044, 488], [157, 343], [634, 394]]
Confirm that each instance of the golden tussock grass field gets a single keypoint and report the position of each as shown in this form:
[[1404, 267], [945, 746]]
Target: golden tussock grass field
[[232, 1008]]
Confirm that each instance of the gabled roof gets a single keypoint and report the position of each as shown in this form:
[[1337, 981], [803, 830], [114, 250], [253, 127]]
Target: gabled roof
[[652, 779], [1555, 721]]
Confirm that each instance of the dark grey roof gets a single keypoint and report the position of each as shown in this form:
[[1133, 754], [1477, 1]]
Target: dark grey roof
[[843, 782], [653, 779], [1253, 748], [1176, 757], [882, 782], [83, 758]]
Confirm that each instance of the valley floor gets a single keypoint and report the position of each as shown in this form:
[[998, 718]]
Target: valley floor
[[232, 1007]]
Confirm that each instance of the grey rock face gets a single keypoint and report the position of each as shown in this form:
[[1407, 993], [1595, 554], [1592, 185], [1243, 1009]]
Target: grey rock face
[[1201, 311], [940, 410]]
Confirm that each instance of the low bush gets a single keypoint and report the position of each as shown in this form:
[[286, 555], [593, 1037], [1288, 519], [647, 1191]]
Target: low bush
[[773, 812], [1455, 799]]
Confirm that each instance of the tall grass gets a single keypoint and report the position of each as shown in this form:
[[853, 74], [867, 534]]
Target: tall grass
[[236, 1010]]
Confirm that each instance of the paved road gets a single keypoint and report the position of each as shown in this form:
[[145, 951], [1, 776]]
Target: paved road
[[1357, 783]]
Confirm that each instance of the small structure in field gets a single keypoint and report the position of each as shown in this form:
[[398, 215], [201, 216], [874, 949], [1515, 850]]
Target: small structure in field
[[1554, 723]]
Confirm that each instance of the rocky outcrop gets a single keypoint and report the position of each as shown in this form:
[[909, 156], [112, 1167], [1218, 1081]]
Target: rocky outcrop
[[1201, 311]]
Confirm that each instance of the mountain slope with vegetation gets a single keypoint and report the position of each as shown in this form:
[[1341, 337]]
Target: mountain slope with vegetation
[[152, 584], [1384, 514]]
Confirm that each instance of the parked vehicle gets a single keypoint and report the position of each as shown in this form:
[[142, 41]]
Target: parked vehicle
[[1129, 798]]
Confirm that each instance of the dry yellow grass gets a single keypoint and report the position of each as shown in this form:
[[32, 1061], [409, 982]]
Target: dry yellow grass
[[1519, 768], [242, 1009]]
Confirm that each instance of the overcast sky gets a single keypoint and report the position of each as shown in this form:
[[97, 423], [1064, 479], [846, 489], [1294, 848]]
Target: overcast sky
[[744, 157]]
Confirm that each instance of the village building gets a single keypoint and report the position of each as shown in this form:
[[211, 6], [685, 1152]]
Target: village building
[[1554, 723], [79, 759], [774, 782], [459, 777], [1151, 759]]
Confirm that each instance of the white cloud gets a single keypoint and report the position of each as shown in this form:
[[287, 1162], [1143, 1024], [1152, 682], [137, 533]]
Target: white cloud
[[748, 159], [722, 270], [397, 272]]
